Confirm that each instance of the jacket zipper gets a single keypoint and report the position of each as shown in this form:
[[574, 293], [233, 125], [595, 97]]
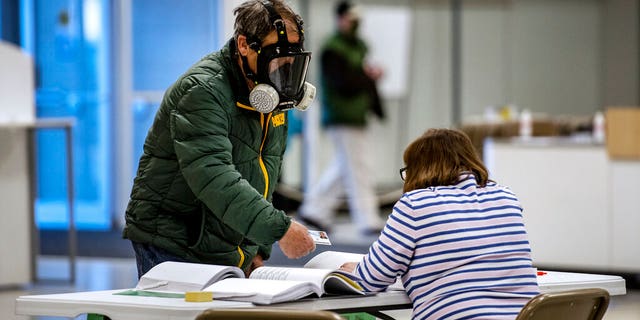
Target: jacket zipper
[[265, 129], [264, 124], [241, 257]]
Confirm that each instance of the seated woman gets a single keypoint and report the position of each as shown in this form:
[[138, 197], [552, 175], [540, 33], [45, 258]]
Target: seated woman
[[456, 238]]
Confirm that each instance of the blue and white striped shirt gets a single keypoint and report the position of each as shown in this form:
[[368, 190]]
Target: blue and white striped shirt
[[461, 251]]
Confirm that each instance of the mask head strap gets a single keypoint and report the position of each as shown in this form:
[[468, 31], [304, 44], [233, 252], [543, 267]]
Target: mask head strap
[[255, 43], [276, 20]]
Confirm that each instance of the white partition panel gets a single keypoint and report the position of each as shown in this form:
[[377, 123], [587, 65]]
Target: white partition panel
[[625, 209], [580, 207], [16, 111], [563, 189], [16, 85]]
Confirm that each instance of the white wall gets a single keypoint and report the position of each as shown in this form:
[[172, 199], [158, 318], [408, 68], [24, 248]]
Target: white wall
[[621, 52], [557, 56], [543, 55]]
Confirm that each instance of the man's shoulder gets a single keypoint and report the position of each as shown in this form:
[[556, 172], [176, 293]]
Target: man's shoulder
[[212, 66], [213, 73]]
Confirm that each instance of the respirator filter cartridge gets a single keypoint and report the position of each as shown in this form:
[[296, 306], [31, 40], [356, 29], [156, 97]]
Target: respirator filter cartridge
[[264, 98]]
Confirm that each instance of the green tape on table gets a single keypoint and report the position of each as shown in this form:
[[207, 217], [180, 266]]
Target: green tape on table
[[357, 316], [143, 293]]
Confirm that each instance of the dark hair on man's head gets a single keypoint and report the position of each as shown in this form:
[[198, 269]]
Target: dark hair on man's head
[[439, 157], [253, 19], [343, 7]]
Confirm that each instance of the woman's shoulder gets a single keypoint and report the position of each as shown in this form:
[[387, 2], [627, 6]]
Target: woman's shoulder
[[495, 187], [464, 189], [426, 196]]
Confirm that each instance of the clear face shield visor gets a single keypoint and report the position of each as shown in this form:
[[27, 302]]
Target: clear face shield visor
[[285, 70]]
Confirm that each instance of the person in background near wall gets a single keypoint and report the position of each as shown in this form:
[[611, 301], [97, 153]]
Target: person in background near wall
[[456, 238], [212, 157], [349, 94]]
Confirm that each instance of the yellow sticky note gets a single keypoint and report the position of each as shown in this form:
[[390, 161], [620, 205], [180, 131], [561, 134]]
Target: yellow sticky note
[[198, 296], [278, 119]]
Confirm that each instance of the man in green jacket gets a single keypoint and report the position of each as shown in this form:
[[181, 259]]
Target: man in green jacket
[[213, 155]]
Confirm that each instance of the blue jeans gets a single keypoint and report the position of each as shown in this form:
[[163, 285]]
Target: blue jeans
[[148, 256]]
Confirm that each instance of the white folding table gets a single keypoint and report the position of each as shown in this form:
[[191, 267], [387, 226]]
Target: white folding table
[[122, 307]]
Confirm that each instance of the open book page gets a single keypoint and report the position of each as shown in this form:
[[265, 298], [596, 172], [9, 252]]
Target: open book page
[[330, 281], [262, 291], [335, 259], [182, 276], [332, 259]]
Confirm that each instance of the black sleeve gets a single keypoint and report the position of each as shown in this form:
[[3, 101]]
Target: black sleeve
[[376, 102]]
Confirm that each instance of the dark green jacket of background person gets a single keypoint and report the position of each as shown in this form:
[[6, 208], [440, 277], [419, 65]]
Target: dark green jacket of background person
[[205, 181], [348, 94]]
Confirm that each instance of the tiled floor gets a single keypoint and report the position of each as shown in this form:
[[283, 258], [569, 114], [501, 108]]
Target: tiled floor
[[115, 273]]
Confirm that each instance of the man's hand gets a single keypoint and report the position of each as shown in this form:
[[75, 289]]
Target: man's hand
[[257, 262], [296, 242]]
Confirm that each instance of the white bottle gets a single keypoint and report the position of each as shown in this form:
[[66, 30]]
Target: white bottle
[[526, 124], [490, 114], [598, 127]]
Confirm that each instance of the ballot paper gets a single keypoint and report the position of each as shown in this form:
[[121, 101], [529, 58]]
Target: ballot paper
[[320, 237]]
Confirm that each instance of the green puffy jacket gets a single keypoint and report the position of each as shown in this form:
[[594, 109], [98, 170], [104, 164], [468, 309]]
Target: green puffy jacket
[[210, 164]]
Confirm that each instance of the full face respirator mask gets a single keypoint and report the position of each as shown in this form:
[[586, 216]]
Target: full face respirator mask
[[281, 72]]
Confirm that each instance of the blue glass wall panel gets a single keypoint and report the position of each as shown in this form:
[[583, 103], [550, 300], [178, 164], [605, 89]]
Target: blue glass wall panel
[[72, 45], [166, 42]]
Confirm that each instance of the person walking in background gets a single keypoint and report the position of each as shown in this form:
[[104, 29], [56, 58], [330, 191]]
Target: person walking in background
[[456, 238], [349, 94], [212, 157]]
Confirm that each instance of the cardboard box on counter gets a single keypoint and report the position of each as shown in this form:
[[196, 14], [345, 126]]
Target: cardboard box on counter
[[623, 132]]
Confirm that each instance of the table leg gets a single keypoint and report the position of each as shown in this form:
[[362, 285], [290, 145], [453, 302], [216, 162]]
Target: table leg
[[35, 236], [70, 200], [71, 235]]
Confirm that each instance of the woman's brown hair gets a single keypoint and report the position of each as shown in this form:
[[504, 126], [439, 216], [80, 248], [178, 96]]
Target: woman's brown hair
[[438, 157]]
